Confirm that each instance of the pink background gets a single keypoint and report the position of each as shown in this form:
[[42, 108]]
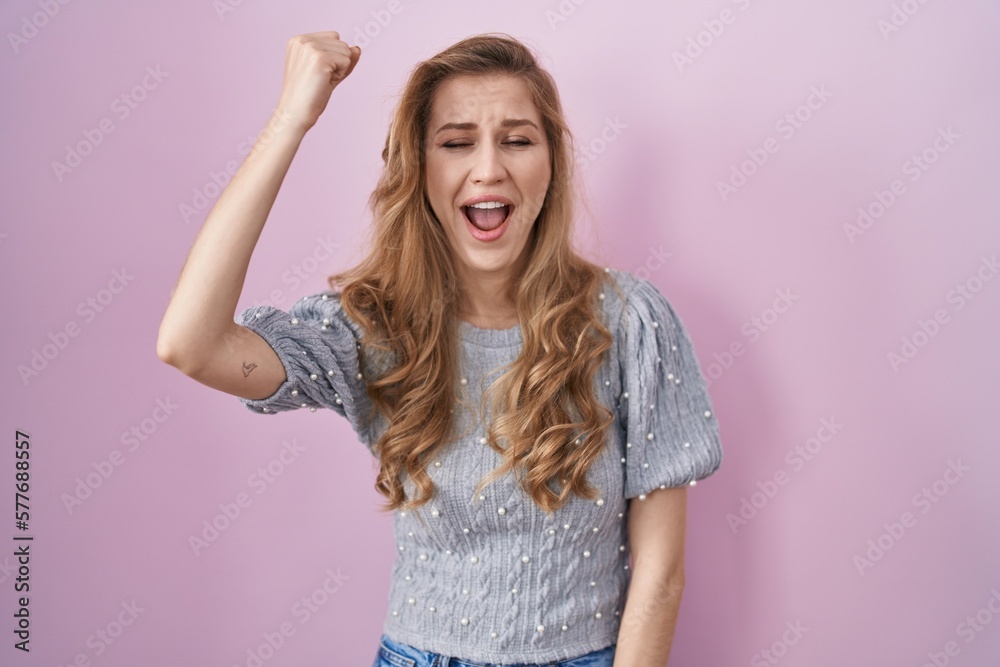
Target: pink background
[[671, 134]]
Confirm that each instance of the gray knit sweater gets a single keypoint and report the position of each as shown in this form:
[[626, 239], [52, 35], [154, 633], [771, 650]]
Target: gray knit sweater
[[494, 579]]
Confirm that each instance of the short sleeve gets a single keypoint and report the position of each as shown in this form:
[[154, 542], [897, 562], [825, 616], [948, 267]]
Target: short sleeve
[[671, 431], [318, 346]]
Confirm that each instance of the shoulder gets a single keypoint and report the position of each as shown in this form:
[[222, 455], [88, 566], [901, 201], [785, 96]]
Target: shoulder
[[325, 309], [671, 436], [315, 325], [631, 302]]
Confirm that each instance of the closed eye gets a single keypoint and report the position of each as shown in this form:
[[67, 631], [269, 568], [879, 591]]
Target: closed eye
[[511, 142]]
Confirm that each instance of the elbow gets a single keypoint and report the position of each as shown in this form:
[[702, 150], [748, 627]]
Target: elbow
[[167, 347], [667, 587], [666, 575], [174, 355], [164, 349], [167, 352], [182, 346], [675, 582], [191, 352]]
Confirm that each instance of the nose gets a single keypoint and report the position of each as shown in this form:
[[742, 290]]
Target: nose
[[488, 166]]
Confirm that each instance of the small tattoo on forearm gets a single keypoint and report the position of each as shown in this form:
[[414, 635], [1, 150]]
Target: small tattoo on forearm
[[247, 367]]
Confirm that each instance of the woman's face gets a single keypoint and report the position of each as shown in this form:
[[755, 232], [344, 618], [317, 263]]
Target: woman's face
[[485, 143]]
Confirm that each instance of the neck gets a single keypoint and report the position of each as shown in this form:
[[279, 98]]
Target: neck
[[486, 301], [484, 298]]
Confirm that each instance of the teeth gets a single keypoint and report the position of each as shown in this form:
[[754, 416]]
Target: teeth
[[487, 204]]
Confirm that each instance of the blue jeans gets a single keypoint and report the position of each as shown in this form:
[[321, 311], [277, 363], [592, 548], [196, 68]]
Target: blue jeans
[[395, 654]]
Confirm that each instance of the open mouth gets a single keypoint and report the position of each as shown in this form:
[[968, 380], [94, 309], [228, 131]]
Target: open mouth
[[487, 222]]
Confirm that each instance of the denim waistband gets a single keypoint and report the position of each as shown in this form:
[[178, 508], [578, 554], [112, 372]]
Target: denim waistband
[[397, 654]]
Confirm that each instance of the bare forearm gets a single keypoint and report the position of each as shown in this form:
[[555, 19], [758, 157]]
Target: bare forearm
[[203, 302], [647, 628]]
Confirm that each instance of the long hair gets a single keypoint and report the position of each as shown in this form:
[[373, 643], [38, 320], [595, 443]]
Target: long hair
[[547, 424]]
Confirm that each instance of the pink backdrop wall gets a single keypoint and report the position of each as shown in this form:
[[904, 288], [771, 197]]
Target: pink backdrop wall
[[836, 452]]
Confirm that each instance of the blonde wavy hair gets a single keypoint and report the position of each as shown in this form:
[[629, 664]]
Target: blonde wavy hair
[[405, 297]]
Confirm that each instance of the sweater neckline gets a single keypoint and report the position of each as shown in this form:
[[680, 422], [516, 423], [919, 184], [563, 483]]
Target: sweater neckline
[[489, 337]]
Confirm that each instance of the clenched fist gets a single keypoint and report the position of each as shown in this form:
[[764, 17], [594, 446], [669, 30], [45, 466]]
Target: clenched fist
[[314, 64]]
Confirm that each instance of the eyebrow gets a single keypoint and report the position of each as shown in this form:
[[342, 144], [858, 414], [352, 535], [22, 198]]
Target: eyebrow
[[506, 122]]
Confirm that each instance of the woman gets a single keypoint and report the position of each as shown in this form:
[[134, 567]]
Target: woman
[[517, 396]]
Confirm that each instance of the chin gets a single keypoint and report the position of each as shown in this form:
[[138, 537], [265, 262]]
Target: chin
[[478, 262]]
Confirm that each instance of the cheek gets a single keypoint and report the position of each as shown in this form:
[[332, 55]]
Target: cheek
[[540, 179], [542, 169], [439, 188]]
